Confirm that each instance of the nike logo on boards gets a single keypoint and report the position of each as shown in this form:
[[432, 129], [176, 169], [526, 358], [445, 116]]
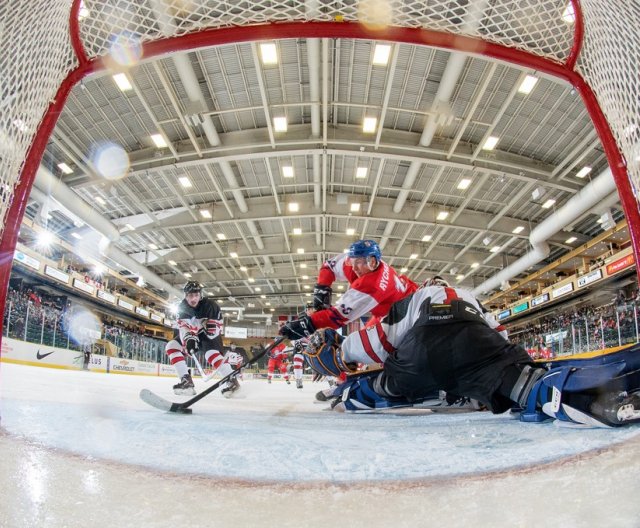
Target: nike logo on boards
[[42, 356]]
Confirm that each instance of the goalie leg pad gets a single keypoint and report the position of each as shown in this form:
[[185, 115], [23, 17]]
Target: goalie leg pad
[[549, 396], [324, 354]]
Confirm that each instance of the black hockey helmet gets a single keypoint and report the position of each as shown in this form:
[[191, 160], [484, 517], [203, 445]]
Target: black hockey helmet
[[192, 287], [437, 280]]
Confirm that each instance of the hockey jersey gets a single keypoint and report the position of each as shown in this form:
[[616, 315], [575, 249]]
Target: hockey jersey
[[280, 352], [205, 317], [373, 344], [373, 292]]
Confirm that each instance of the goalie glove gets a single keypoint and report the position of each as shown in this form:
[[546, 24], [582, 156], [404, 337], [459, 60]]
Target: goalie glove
[[321, 297], [191, 344], [299, 328], [324, 354]]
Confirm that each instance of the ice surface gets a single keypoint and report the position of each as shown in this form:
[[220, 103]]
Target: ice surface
[[276, 435]]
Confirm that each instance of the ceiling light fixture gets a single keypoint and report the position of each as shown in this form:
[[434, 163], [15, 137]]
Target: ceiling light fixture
[[490, 143], [381, 54]]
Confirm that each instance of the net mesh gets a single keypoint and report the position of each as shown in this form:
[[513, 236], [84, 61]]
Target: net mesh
[[35, 35]]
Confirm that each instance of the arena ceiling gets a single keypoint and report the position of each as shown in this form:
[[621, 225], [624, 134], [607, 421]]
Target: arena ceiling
[[216, 204]]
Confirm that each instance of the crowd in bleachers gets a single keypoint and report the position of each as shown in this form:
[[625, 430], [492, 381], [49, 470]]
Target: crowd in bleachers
[[580, 329], [31, 317]]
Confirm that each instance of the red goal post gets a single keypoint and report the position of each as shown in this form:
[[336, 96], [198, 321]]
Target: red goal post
[[50, 45]]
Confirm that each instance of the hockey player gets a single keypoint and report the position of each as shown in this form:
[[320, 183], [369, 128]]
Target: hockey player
[[298, 360], [199, 327], [374, 287], [278, 360], [440, 339]]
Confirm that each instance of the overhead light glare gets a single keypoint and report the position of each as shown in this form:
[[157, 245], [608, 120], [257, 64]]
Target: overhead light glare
[[570, 240], [355, 207], [427, 238], [568, 15], [100, 200], [268, 53], [76, 236], [490, 143], [381, 54], [583, 172], [351, 231], [474, 265], [280, 124], [173, 263], [294, 207], [442, 215], [287, 171], [518, 229], [205, 213], [361, 172], [495, 249], [221, 236], [122, 81], [528, 84], [369, 125], [548, 203], [65, 168], [153, 246], [159, 140], [464, 184], [185, 182], [413, 256], [233, 254], [297, 231], [300, 251]]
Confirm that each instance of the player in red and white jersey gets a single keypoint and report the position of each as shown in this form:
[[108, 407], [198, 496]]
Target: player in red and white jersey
[[278, 359], [374, 287]]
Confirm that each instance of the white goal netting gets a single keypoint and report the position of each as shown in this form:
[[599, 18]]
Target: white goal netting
[[45, 41]]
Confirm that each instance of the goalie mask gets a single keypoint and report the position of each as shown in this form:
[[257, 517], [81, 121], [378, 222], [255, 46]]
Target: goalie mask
[[324, 354]]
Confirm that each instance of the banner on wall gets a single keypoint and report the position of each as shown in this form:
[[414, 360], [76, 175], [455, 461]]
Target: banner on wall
[[620, 264], [540, 299], [589, 278]]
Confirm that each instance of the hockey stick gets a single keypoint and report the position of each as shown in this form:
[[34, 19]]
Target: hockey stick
[[158, 402]]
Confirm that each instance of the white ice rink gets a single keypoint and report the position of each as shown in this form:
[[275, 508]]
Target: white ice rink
[[81, 449]]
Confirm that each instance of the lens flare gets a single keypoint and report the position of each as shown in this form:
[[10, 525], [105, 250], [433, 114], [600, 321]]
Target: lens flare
[[84, 327], [125, 49], [110, 161]]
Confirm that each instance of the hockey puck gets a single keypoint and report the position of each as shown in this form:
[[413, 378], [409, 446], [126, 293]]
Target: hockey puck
[[186, 410]]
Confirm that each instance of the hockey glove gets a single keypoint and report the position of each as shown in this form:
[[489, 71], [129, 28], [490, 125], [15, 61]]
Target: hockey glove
[[324, 354], [191, 344], [213, 328], [298, 329], [321, 297]]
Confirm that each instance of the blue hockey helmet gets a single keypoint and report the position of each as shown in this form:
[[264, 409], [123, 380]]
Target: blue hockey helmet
[[365, 248]]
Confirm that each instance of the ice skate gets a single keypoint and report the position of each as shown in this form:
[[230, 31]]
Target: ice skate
[[618, 408], [298, 384], [269, 381], [288, 382], [230, 387], [185, 387]]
